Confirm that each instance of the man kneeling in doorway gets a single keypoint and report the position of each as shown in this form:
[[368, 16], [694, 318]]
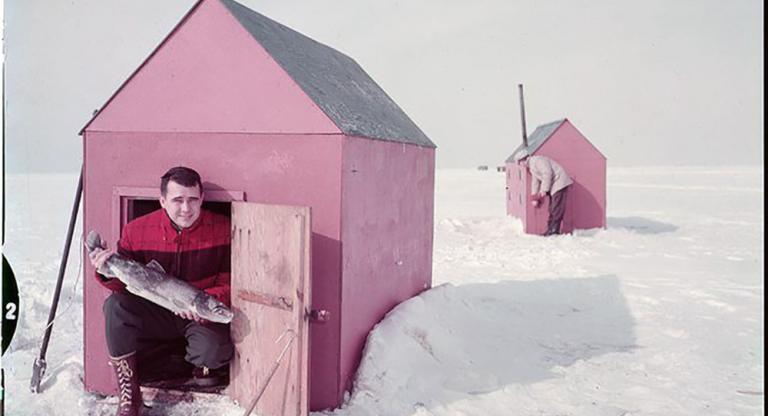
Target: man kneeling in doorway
[[192, 244]]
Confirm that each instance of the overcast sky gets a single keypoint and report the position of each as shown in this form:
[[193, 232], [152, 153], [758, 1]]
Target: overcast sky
[[653, 82]]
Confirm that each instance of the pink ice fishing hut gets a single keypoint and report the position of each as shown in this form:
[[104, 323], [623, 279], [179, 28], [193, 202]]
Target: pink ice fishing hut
[[326, 178], [585, 206]]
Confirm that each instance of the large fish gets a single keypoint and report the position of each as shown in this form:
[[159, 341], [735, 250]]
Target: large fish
[[152, 283]]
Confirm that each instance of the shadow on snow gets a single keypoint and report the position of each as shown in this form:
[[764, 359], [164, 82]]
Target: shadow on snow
[[641, 225]]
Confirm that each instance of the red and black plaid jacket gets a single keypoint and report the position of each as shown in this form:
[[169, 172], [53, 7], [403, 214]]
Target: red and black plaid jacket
[[199, 254]]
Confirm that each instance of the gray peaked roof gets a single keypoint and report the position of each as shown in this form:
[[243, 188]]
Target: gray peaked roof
[[334, 81], [537, 138]]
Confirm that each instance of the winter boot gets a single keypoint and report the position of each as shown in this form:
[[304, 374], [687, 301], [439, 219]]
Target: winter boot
[[552, 230], [206, 377], [128, 384]]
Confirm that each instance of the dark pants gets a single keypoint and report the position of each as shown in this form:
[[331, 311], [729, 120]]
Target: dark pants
[[136, 324], [556, 211]]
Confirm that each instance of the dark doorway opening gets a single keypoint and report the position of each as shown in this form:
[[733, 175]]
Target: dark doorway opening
[[140, 207], [165, 366]]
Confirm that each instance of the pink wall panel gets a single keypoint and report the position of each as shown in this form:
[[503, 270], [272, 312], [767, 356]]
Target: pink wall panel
[[212, 76], [517, 192], [278, 169], [387, 227]]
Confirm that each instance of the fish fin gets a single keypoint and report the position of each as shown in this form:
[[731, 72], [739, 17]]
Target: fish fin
[[155, 265], [134, 290]]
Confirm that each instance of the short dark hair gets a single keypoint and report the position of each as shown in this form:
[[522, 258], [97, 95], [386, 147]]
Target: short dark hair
[[184, 176]]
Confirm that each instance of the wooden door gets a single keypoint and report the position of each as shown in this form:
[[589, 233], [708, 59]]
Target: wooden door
[[270, 299]]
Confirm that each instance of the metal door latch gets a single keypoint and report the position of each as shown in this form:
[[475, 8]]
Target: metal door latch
[[318, 315]]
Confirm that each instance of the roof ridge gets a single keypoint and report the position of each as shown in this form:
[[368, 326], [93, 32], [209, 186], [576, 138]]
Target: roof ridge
[[539, 136]]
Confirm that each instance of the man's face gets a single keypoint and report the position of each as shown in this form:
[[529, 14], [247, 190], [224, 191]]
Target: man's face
[[182, 204]]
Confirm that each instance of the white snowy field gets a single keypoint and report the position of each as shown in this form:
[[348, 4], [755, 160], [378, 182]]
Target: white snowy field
[[659, 314]]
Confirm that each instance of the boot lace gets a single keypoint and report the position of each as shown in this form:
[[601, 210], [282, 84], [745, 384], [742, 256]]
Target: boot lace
[[124, 374]]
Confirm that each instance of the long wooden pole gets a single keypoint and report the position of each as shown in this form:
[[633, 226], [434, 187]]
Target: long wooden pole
[[38, 369], [272, 371]]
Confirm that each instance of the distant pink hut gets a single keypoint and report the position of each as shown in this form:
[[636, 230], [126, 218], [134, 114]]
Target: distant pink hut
[[268, 115], [585, 207]]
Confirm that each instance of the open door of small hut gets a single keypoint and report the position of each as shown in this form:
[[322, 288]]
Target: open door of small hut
[[270, 298]]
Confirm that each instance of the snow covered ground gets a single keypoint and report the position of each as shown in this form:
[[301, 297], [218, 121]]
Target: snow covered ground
[[660, 314]]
